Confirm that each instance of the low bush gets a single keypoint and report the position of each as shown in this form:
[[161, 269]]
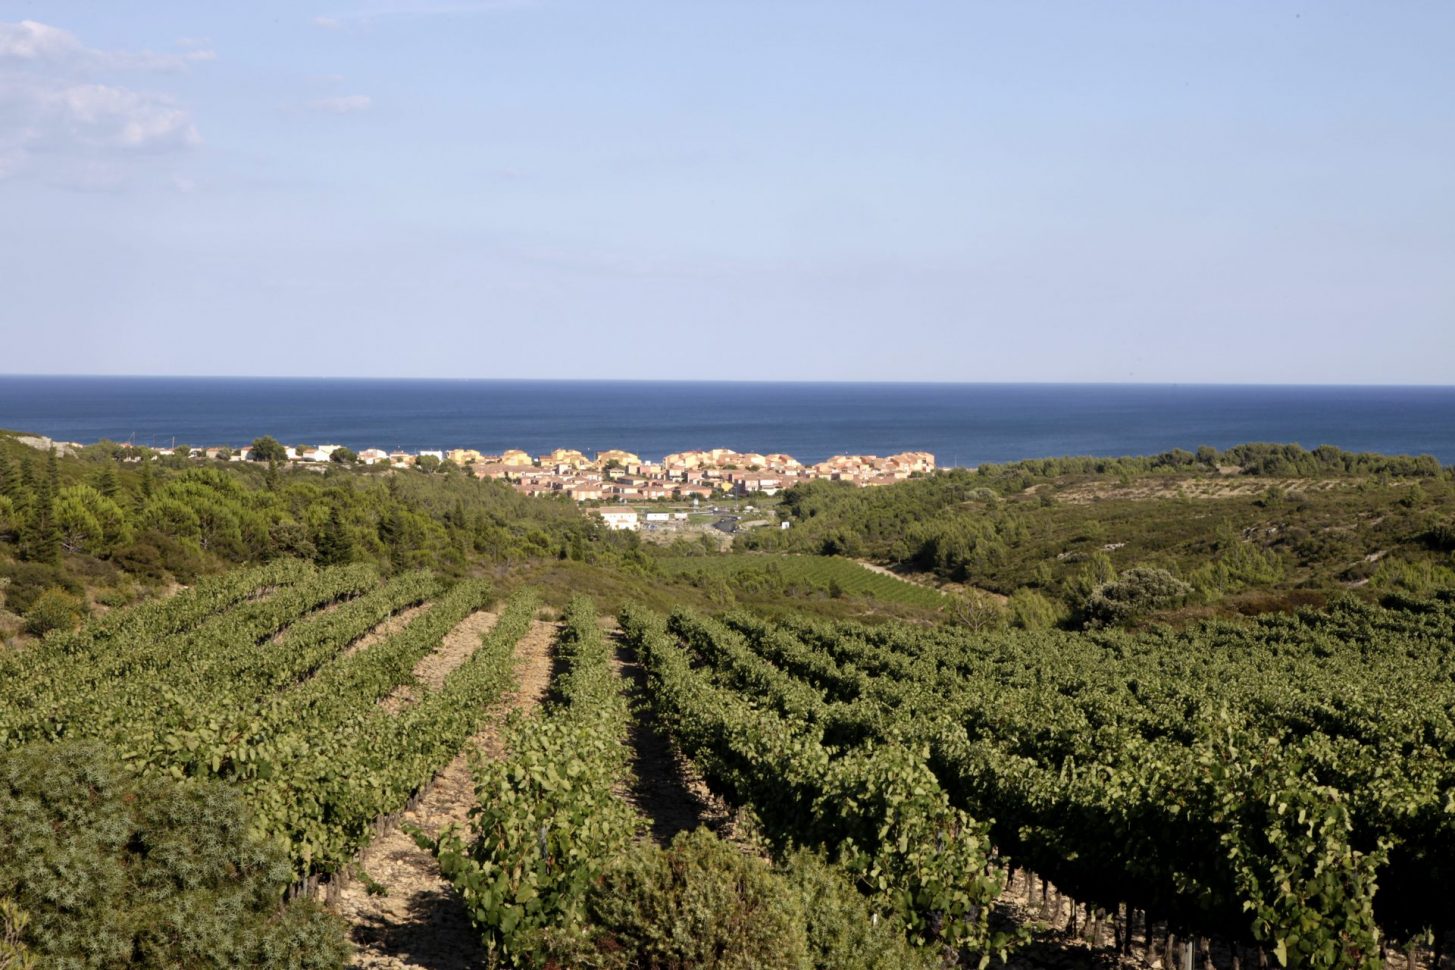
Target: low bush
[[843, 931], [100, 868], [27, 580], [53, 609], [700, 903], [1138, 591]]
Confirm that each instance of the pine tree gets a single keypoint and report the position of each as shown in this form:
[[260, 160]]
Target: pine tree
[[20, 487], [148, 481], [391, 534], [43, 536], [9, 482], [335, 545], [107, 482]]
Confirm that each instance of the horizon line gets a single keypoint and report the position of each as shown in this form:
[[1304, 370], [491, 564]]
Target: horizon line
[[735, 380]]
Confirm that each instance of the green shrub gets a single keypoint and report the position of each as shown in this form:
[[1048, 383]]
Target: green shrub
[[700, 903], [1440, 537], [843, 932], [1029, 610], [1137, 591], [107, 870], [1419, 579], [704, 903], [53, 609], [28, 580]]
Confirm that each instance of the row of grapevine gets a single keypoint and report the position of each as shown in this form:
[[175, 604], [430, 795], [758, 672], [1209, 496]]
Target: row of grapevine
[[62, 654], [151, 619], [876, 808], [322, 763], [548, 819], [256, 675], [768, 573], [89, 697]]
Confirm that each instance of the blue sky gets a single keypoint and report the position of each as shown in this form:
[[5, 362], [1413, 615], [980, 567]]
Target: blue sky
[[1027, 191]]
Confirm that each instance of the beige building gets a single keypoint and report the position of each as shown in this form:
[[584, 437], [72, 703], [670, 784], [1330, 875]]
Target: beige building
[[622, 458]]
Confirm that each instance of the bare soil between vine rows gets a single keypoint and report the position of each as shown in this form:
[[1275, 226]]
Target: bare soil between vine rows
[[420, 923], [430, 673], [385, 629]]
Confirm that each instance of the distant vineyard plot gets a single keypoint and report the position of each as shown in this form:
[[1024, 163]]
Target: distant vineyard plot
[[826, 575]]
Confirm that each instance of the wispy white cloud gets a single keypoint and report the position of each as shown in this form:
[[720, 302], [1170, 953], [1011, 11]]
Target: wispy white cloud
[[343, 104], [105, 116], [64, 120], [29, 41]]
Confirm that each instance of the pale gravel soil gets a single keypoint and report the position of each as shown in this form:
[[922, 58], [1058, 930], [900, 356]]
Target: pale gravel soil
[[431, 671], [1204, 488], [421, 924], [385, 629], [913, 579]]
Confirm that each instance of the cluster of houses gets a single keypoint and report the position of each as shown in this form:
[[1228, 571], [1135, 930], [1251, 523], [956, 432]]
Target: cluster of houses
[[623, 476], [620, 476]]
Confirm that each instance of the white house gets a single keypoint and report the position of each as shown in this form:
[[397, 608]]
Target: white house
[[619, 519], [658, 517], [373, 456]]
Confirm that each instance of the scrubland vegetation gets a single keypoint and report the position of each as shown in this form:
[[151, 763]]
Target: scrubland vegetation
[[1092, 541]]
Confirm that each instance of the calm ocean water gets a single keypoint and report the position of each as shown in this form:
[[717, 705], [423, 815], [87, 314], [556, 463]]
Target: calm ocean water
[[963, 424]]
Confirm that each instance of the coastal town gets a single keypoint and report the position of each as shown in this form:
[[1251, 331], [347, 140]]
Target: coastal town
[[621, 476]]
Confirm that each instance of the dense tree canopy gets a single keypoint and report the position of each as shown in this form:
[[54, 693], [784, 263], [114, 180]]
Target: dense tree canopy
[[113, 516]]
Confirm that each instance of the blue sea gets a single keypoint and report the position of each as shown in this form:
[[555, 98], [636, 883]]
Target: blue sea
[[963, 424]]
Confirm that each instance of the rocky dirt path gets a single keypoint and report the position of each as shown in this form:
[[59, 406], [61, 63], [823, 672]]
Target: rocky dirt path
[[420, 924], [874, 567]]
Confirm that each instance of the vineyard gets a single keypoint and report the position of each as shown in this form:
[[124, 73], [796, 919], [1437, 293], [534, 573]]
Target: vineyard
[[1282, 790], [800, 575], [1278, 791], [264, 680]]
